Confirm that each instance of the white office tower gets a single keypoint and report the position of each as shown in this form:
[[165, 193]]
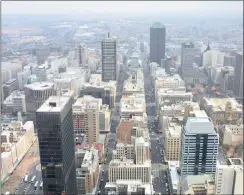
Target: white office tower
[[200, 141], [229, 178], [109, 61], [142, 150]]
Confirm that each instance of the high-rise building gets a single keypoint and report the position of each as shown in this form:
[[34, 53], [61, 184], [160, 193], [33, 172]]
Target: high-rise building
[[86, 118], [199, 147], [81, 53], [35, 95], [109, 60], [187, 57], [56, 144], [157, 42], [238, 76]]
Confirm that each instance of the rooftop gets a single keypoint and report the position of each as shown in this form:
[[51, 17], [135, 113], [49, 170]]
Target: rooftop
[[157, 25], [54, 104], [40, 86], [203, 125]]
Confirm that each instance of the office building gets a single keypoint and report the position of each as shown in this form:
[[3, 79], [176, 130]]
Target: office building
[[187, 56], [23, 77], [86, 118], [10, 69], [42, 54], [81, 53], [199, 147], [229, 178], [41, 73], [124, 150], [57, 158], [127, 170], [35, 95], [9, 87], [142, 152], [212, 58], [88, 173], [167, 64], [157, 42], [238, 76], [109, 60], [227, 79], [172, 132], [99, 89], [229, 60], [15, 103]]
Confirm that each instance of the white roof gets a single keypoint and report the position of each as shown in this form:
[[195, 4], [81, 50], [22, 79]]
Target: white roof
[[196, 125], [60, 103]]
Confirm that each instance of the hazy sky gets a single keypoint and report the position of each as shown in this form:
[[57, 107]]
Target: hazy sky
[[137, 7]]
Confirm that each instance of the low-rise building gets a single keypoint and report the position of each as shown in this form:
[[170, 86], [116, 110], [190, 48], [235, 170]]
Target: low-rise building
[[223, 110], [133, 105], [128, 187], [16, 140], [232, 134], [198, 184]]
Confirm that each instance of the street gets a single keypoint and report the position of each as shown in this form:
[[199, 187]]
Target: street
[[160, 179]]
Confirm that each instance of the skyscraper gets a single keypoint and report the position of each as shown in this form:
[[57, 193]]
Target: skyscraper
[[199, 149], [109, 60], [238, 76], [157, 42], [187, 57], [56, 144]]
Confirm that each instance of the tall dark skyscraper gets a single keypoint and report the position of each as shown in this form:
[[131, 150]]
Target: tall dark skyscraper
[[238, 76], [56, 143], [157, 42], [109, 60], [187, 58]]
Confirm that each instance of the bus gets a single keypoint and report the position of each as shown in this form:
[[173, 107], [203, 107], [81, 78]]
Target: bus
[[41, 184], [33, 179], [26, 178], [36, 184]]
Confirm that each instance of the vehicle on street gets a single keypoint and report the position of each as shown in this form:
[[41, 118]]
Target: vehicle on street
[[26, 178], [41, 184], [7, 193], [36, 185], [33, 179]]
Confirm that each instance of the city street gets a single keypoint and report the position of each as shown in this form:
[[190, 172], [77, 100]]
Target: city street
[[160, 179]]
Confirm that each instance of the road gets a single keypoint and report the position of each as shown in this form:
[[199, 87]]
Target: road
[[115, 119], [160, 179], [28, 187]]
